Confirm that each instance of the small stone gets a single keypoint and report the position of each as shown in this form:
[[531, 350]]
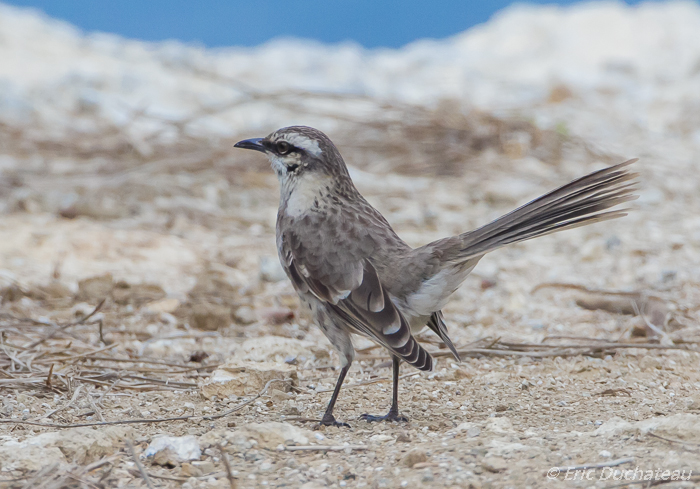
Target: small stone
[[205, 466], [164, 305], [165, 458], [494, 464], [292, 411], [312, 485], [649, 362], [267, 435], [75, 445], [277, 315], [279, 395], [414, 457], [460, 374], [124, 293], [11, 293], [55, 290], [500, 425], [181, 448], [381, 438], [245, 315], [605, 454], [214, 287], [210, 317], [198, 356], [95, 288], [271, 270], [189, 470], [245, 378], [403, 437]]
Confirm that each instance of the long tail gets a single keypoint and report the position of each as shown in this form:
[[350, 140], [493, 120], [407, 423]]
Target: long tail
[[575, 204]]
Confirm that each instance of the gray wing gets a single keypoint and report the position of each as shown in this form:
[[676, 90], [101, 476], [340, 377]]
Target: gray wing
[[351, 288]]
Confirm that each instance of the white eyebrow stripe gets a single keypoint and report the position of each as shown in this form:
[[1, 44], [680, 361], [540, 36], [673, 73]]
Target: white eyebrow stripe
[[309, 145]]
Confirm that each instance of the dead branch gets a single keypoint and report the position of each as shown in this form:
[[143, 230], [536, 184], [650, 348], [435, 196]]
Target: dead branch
[[139, 465], [227, 464], [146, 421]]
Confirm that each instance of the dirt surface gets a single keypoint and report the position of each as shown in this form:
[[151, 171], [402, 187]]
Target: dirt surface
[[149, 338], [185, 259]]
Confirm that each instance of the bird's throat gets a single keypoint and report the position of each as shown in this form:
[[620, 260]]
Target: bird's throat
[[304, 194]]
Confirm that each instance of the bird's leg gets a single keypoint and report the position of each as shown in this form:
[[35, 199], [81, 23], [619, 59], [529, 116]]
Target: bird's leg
[[393, 414], [328, 418]]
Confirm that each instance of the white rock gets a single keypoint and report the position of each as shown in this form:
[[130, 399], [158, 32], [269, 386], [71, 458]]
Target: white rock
[[270, 435], [468, 427], [244, 378], [76, 445], [500, 426], [29, 458], [184, 448], [498, 448], [685, 426], [166, 305], [271, 270], [381, 438]]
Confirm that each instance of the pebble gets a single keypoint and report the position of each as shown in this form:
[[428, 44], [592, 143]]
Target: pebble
[[428, 476], [494, 464], [415, 456]]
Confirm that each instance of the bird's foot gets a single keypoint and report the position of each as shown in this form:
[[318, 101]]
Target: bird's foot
[[391, 416], [329, 420]]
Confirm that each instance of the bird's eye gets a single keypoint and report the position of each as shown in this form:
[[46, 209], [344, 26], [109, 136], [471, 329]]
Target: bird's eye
[[283, 147]]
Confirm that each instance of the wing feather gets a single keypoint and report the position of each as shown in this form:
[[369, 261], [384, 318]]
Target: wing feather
[[361, 302]]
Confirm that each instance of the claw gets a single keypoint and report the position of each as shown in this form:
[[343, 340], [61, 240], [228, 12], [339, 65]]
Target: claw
[[395, 417], [331, 421]]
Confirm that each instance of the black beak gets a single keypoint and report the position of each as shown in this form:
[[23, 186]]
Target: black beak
[[255, 144]]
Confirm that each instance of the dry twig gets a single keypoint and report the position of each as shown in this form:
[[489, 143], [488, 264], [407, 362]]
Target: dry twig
[[138, 463], [58, 328], [612, 463], [227, 464], [145, 421], [671, 440], [323, 448]]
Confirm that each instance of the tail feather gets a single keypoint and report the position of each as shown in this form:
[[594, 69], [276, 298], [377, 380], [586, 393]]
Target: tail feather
[[437, 324], [575, 204]]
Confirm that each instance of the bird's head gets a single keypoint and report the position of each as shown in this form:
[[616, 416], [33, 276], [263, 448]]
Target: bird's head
[[297, 152]]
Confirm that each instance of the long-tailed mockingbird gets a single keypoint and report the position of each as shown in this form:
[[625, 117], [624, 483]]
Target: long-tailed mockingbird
[[357, 276]]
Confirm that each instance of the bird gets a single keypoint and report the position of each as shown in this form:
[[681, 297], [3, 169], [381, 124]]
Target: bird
[[357, 276]]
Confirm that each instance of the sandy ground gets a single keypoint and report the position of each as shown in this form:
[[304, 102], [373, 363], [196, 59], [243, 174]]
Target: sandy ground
[[141, 298], [204, 237]]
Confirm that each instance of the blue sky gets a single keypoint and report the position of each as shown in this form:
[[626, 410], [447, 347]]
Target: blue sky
[[371, 23]]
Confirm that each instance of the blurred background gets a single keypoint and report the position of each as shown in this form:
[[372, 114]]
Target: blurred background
[[117, 121], [119, 183], [220, 23], [125, 113]]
